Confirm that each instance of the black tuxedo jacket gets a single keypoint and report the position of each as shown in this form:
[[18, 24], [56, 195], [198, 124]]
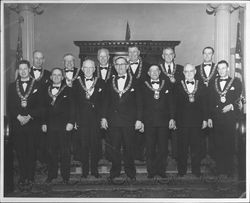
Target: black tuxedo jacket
[[191, 114], [125, 110], [110, 72], [140, 73], [89, 108], [34, 103], [62, 112], [45, 76], [233, 94], [157, 112], [200, 71], [178, 75]]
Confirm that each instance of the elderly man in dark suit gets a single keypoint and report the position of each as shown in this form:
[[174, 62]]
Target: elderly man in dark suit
[[24, 110], [59, 119], [122, 115], [224, 94], [158, 114], [191, 118], [42, 76], [89, 90]]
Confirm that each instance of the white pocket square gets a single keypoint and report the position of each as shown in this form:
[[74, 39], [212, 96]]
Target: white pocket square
[[34, 91], [232, 88], [166, 92], [64, 96], [132, 90], [100, 89]]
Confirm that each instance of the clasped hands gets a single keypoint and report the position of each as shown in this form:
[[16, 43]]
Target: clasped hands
[[69, 127]]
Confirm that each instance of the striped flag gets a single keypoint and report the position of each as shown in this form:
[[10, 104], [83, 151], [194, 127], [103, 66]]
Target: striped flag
[[239, 69], [127, 37], [19, 50]]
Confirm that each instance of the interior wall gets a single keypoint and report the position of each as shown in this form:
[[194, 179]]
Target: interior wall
[[61, 24]]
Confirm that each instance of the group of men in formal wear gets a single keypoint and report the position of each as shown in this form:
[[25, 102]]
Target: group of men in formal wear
[[130, 104]]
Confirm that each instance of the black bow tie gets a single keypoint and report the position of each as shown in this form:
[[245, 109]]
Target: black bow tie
[[208, 64], [221, 80], [192, 83], [71, 71], [55, 87], [104, 68], [37, 69], [89, 79], [155, 82], [24, 82], [119, 77], [136, 63]]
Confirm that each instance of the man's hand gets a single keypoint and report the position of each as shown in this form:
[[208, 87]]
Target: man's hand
[[210, 123], [204, 124], [69, 127], [44, 128], [138, 125], [104, 123], [227, 108], [142, 128], [172, 124]]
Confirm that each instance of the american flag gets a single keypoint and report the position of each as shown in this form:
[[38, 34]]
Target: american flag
[[19, 50], [239, 71]]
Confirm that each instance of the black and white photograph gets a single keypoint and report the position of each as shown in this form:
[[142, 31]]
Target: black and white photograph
[[124, 101]]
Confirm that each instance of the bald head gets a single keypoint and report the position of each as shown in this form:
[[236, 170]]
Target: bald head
[[189, 71], [88, 68]]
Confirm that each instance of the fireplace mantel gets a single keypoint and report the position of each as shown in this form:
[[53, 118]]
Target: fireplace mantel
[[151, 51]]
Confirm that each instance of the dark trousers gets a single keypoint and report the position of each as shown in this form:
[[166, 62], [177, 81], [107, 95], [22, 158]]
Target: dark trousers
[[140, 143], [24, 143], [189, 136], [90, 148], [41, 147], [224, 129], [156, 149], [122, 137], [59, 151]]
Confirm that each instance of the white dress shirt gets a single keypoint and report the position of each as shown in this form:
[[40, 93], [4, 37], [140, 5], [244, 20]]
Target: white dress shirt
[[24, 85], [55, 90], [104, 72], [223, 83], [134, 66], [89, 83], [155, 85], [190, 87], [167, 67], [37, 73], [121, 83], [207, 69]]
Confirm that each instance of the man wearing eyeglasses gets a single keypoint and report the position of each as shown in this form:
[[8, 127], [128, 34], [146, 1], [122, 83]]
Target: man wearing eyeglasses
[[191, 119], [89, 92], [122, 115]]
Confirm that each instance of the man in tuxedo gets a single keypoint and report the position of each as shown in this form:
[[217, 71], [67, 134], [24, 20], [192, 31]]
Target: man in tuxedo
[[37, 70], [138, 69], [191, 118], [104, 69], [206, 73], [70, 71], [24, 110], [122, 115], [172, 71], [42, 76], [174, 74], [158, 118], [59, 119], [89, 95], [224, 94]]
